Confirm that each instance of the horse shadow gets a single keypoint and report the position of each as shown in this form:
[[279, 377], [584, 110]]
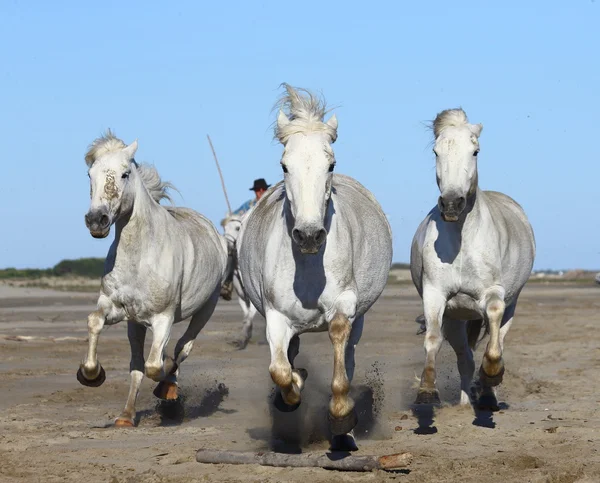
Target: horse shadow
[[188, 406], [291, 432]]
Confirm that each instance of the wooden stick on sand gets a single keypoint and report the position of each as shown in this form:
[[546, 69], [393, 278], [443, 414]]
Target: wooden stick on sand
[[330, 461]]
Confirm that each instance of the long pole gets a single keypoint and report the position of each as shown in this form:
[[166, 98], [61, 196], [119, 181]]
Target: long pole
[[220, 173]]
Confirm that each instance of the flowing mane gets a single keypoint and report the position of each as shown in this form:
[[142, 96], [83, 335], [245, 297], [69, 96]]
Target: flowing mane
[[305, 111], [449, 118], [107, 143]]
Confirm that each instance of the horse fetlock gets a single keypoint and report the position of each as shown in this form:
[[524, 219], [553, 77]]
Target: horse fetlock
[[281, 374], [340, 406], [428, 379]]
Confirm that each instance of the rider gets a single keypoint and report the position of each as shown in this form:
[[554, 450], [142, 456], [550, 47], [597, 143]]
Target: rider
[[260, 187]]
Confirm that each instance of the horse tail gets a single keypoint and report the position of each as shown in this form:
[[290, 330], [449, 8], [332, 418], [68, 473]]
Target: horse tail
[[474, 331]]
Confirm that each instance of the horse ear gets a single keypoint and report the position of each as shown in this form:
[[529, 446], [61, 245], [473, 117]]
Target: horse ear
[[282, 120], [131, 149], [333, 122], [476, 129]]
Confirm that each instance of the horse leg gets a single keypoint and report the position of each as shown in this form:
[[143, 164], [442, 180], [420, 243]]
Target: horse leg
[[90, 371], [346, 441], [137, 335], [491, 371], [167, 389], [290, 381], [434, 305], [455, 332], [157, 366]]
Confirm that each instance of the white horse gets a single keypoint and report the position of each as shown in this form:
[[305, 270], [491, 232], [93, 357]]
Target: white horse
[[232, 225], [315, 254], [470, 258], [165, 265]]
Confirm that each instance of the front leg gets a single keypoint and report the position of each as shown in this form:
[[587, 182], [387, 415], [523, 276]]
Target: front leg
[[90, 371], [434, 305], [290, 381]]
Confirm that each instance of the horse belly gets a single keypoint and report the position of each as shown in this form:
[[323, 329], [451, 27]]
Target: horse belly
[[463, 307]]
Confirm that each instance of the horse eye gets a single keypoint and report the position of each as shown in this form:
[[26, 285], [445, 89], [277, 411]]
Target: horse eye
[[476, 152], [125, 175], [331, 166], [284, 167]]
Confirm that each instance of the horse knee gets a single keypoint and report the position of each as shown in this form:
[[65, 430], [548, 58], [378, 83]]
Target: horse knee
[[495, 309]]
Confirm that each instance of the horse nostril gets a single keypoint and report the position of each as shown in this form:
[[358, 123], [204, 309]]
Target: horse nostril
[[320, 236], [298, 235], [104, 220], [441, 204]]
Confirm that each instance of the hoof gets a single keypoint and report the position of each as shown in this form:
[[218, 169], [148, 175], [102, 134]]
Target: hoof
[[490, 381], [428, 397], [124, 423], [98, 381], [488, 402], [281, 405], [166, 390], [342, 426], [343, 442], [239, 344]]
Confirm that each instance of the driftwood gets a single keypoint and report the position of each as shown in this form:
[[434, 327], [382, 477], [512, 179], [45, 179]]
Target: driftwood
[[329, 461]]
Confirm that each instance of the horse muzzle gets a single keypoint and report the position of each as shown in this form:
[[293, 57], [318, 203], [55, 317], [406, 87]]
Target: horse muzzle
[[309, 239], [451, 207], [98, 222]]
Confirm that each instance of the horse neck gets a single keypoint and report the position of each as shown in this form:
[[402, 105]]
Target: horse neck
[[140, 222], [472, 217]]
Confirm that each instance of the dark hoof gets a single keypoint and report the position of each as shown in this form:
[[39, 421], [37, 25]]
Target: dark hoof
[[94, 382], [342, 426], [428, 397], [488, 402], [343, 442], [281, 405], [490, 381]]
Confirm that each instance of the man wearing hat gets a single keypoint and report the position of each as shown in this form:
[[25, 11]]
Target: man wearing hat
[[260, 187]]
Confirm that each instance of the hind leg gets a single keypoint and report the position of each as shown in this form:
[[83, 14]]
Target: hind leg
[[455, 332], [167, 389], [137, 335]]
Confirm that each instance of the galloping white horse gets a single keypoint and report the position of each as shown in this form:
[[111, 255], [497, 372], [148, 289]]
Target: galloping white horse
[[232, 225], [470, 258], [314, 255], [165, 265]]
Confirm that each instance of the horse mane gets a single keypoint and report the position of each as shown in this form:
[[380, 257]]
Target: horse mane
[[305, 111], [230, 217], [449, 118], [108, 142]]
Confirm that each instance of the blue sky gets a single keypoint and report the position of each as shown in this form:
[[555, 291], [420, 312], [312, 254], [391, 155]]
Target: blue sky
[[168, 73]]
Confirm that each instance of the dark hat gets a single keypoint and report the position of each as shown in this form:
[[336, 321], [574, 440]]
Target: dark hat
[[260, 184]]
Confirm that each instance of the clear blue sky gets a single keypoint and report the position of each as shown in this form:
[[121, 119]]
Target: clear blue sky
[[168, 73]]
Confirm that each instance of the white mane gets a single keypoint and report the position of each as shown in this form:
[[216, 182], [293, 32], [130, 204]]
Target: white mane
[[305, 112], [449, 118], [108, 142]]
